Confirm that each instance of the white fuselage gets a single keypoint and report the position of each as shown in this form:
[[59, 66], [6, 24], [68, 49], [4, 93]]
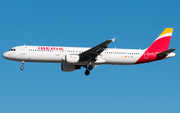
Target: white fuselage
[[72, 58], [57, 55]]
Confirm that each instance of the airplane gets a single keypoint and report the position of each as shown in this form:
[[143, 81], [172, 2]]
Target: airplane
[[73, 58]]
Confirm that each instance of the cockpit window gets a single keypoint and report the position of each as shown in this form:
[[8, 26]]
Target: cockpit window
[[12, 50]]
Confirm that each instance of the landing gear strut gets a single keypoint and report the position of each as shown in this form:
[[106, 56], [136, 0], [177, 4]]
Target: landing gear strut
[[22, 67], [90, 67]]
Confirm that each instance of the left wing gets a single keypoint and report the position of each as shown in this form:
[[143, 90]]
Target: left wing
[[97, 50]]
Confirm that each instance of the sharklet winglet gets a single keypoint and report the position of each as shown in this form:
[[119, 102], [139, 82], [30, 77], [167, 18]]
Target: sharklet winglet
[[113, 39]]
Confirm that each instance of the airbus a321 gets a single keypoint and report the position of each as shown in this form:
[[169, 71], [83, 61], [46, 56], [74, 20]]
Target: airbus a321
[[72, 58]]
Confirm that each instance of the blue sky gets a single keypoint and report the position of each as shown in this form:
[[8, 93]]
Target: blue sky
[[43, 87]]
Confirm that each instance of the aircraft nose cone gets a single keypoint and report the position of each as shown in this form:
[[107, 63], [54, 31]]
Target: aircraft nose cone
[[5, 55]]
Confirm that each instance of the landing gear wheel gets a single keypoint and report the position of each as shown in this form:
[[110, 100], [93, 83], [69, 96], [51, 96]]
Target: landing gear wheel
[[21, 68], [87, 72]]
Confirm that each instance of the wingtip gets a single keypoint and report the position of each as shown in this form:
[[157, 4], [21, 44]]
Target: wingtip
[[113, 39]]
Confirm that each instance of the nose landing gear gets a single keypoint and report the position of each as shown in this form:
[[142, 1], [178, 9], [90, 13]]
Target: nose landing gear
[[22, 67]]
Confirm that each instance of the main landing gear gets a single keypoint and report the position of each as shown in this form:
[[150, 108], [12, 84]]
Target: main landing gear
[[87, 72], [88, 68], [22, 67]]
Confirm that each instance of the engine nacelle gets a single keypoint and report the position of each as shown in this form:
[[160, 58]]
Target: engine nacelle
[[69, 67], [72, 58]]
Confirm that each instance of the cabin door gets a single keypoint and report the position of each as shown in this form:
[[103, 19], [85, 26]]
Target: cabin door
[[22, 50], [57, 52]]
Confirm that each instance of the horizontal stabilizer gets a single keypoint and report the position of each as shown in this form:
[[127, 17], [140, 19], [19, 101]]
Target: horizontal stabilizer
[[166, 52]]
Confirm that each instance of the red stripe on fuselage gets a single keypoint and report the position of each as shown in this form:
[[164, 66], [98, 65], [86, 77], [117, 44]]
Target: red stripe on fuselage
[[146, 57]]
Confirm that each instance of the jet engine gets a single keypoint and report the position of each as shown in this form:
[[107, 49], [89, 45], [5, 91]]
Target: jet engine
[[71, 58], [69, 67]]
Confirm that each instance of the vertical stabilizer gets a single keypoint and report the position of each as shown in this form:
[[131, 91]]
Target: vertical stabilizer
[[162, 42], [160, 45]]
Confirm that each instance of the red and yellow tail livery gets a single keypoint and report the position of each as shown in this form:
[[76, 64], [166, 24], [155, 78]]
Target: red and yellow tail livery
[[162, 42], [159, 46]]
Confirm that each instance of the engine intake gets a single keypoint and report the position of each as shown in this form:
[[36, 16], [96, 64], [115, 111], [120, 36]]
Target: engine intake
[[72, 58]]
